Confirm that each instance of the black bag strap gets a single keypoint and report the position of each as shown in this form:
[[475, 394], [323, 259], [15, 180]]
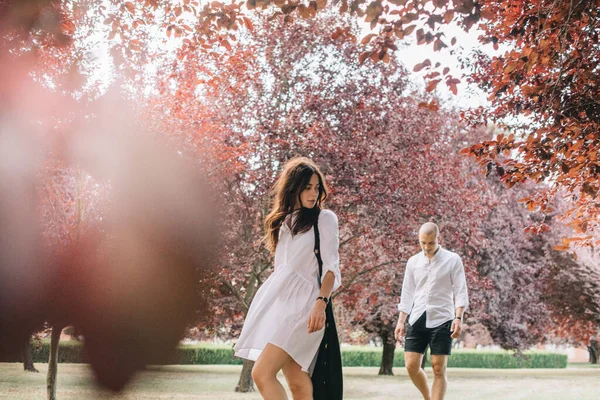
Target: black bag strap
[[318, 247]]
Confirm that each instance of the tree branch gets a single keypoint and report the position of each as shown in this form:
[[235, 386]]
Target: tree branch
[[237, 294], [363, 272]]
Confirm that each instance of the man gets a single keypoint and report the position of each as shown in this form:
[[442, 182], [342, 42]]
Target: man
[[434, 294]]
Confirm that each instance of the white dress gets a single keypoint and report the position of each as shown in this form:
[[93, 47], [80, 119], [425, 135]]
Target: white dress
[[281, 307]]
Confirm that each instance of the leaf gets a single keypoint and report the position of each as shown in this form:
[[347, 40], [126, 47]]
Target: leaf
[[374, 56], [304, 11], [510, 67], [226, 44], [432, 106], [367, 38], [448, 16], [374, 10], [560, 247], [408, 30], [420, 36], [446, 70], [135, 43], [410, 17], [363, 56], [321, 4], [385, 58], [431, 85], [454, 89], [130, 7], [464, 6], [338, 32], [433, 19], [438, 45]]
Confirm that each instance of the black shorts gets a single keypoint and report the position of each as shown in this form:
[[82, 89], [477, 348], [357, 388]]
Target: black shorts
[[418, 337]]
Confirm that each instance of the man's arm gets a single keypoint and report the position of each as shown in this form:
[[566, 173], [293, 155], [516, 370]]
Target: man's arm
[[459, 286], [406, 301], [461, 297]]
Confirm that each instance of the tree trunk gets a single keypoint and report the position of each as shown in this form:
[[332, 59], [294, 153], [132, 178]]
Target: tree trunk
[[246, 384], [387, 359], [594, 350], [28, 358], [53, 363]]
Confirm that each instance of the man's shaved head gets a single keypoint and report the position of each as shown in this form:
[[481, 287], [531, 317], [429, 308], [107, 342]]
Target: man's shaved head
[[429, 238], [428, 229]]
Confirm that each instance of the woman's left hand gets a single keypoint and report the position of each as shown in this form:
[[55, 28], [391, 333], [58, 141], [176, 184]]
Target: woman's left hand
[[316, 320]]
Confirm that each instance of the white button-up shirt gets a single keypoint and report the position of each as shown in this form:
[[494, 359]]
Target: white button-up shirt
[[437, 286]]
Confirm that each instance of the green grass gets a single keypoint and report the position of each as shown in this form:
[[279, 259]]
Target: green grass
[[216, 382]]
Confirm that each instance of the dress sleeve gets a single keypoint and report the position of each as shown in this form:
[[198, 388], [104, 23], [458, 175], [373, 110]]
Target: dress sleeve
[[330, 240]]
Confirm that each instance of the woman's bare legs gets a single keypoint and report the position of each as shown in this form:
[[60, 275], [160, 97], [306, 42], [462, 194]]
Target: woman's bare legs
[[298, 381], [265, 370]]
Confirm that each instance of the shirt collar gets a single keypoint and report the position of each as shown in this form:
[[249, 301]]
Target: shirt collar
[[435, 256]]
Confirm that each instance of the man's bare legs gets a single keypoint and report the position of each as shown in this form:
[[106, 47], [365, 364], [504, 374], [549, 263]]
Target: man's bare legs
[[417, 374], [440, 378]]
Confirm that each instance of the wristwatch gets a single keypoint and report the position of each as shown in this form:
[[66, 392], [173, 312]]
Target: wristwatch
[[325, 299]]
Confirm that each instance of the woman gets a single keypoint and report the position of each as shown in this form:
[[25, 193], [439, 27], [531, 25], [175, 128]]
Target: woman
[[284, 325]]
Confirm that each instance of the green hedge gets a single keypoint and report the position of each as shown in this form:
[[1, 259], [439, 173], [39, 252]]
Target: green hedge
[[72, 352], [206, 354], [371, 357], [68, 352]]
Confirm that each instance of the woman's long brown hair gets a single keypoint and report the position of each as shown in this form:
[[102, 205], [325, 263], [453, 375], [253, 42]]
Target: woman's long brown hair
[[295, 176]]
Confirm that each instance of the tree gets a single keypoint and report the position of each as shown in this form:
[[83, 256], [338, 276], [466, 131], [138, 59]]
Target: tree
[[516, 265], [428, 180], [27, 358], [572, 296], [594, 350], [69, 204], [352, 128], [548, 77]]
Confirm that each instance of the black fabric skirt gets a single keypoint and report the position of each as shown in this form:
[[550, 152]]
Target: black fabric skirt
[[327, 377]]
